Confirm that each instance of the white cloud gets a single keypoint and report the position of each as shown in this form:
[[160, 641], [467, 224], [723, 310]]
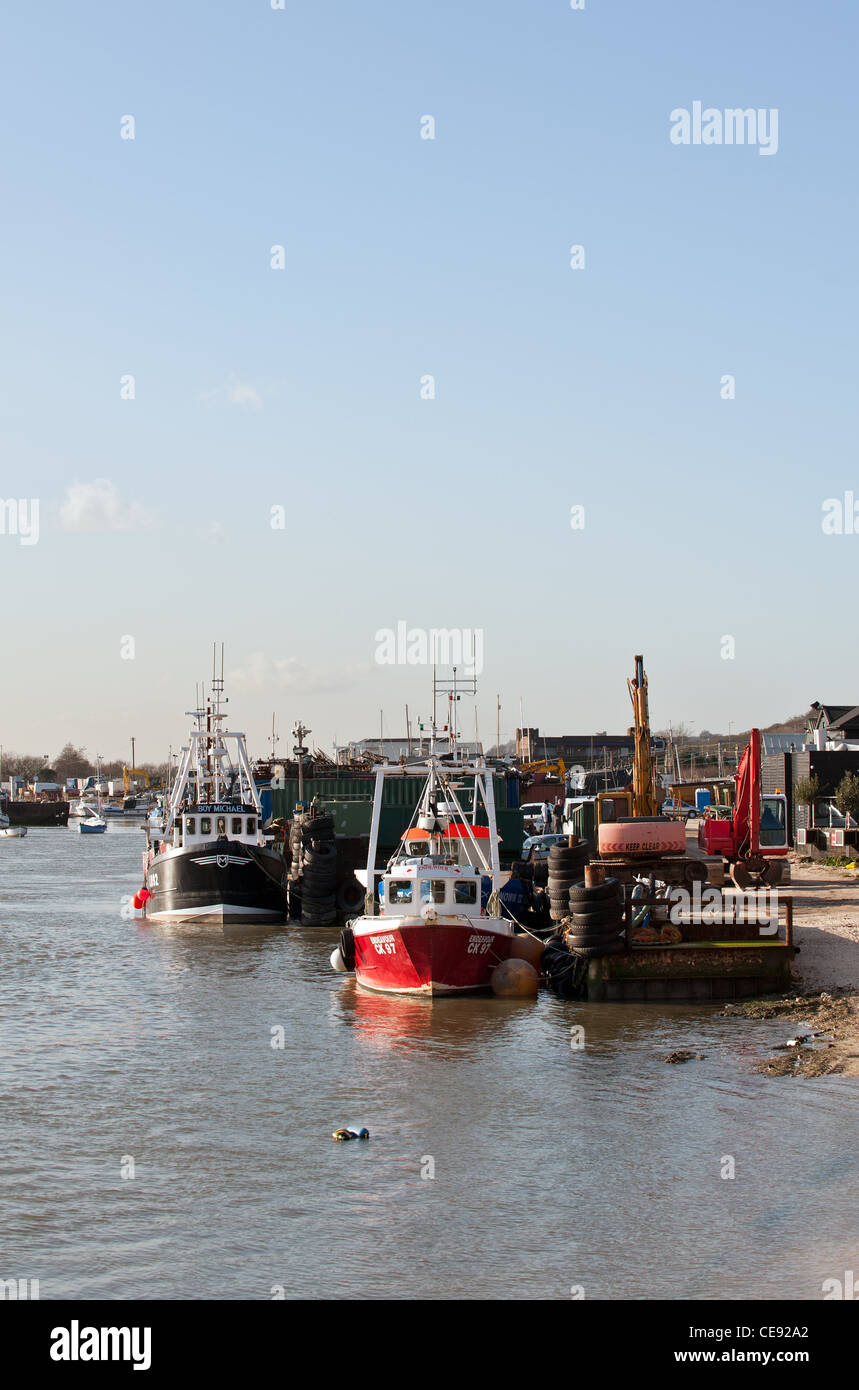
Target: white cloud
[[243, 394], [214, 533], [236, 392], [97, 506], [286, 673]]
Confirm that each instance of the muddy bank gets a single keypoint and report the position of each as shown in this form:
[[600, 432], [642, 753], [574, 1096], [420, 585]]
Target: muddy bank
[[826, 1041]]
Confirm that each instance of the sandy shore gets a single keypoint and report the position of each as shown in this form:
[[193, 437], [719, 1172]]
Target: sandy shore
[[826, 930]]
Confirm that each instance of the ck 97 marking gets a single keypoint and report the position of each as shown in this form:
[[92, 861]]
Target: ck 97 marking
[[479, 945]]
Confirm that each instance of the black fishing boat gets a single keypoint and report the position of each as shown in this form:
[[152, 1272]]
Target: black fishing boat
[[211, 864]]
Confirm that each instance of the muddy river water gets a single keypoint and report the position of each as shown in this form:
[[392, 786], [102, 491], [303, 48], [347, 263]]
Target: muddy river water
[[168, 1098]]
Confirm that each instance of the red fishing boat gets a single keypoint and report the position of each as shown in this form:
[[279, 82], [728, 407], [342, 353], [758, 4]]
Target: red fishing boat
[[436, 926]]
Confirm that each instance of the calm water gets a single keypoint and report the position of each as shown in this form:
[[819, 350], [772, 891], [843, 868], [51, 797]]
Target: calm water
[[553, 1168]]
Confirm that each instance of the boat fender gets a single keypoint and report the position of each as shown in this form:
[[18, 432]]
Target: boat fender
[[136, 903], [337, 961], [347, 949], [429, 914], [350, 896]]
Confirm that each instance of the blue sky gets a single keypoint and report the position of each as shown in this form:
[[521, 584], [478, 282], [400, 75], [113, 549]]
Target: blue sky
[[406, 257]]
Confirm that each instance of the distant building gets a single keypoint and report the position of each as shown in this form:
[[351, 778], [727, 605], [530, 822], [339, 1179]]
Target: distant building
[[396, 748], [838, 722], [532, 746]]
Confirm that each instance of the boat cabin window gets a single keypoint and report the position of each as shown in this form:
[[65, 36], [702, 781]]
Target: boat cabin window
[[190, 825], [433, 890], [237, 825], [252, 825], [465, 892], [399, 891], [205, 825], [222, 825], [419, 849]]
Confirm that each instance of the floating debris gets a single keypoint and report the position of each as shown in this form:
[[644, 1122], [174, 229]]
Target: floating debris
[[344, 1134], [685, 1054]]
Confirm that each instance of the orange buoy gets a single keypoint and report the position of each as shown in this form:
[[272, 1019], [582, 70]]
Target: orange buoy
[[514, 979]]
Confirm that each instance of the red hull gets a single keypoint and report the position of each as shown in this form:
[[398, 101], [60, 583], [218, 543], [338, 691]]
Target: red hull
[[429, 959]]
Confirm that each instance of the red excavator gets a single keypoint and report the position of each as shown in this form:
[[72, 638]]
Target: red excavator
[[753, 839]]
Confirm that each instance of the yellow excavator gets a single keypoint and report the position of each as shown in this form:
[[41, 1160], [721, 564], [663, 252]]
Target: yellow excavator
[[633, 837], [643, 797], [543, 765], [129, 772]]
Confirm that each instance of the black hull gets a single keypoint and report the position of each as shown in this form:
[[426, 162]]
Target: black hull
[[217, 883], [36, 812]]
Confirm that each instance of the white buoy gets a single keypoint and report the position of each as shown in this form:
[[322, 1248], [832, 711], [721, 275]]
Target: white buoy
[[337, 961]]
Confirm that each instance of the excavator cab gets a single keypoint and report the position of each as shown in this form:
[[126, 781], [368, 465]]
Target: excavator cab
[[613, 806], [773, 831]]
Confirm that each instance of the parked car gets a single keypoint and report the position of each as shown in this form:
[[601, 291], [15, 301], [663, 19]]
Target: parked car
[[537, 847], [532, 812], [682, 812]]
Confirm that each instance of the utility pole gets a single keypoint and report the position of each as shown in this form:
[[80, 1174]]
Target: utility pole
[[133, 763], [498, 726]]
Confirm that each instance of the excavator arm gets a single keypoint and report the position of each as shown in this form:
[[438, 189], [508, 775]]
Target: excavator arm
[[646, 800]]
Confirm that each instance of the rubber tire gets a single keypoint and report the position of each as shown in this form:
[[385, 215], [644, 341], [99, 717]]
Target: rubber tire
[[695, 872], [601, 916], [564, 882], [599, 893], [567, 854], [326, 854], [347, 947], [350, 896], [590, 940], [318, 881], [593, 952]]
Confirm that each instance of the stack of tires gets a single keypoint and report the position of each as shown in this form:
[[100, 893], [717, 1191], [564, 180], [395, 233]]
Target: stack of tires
[[318, 872], [565, 867], [596, 919]]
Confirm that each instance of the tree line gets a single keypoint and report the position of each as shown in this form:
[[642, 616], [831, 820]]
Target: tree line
[[69, 762]]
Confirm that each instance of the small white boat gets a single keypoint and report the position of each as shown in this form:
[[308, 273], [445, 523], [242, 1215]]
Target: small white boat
[[10, 831], [92, 824]]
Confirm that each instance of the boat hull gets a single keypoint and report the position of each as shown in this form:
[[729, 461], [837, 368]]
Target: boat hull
[[217, 884], [398, 956], [37, 812]]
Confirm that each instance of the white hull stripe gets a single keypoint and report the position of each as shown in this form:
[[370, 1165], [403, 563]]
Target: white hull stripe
[[217, 910]]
